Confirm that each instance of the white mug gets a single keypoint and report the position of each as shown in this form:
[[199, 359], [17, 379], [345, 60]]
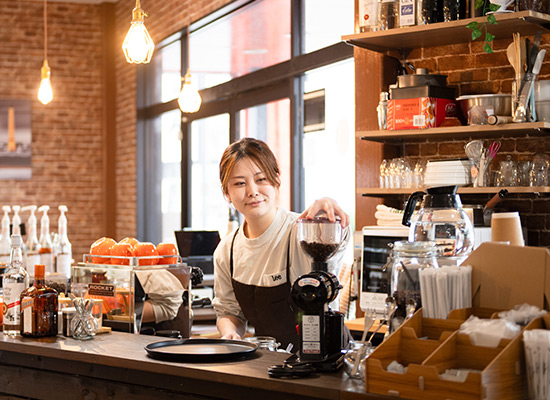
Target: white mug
[[503, 4]]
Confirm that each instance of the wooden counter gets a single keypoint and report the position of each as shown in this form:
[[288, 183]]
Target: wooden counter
[[116, 366]]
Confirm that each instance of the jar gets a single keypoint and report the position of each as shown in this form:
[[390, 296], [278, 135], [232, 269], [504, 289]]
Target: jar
[[355, 359], [428, 12], [67, 315], [406, 259], [388, 11], [83, 324], [264, 342]]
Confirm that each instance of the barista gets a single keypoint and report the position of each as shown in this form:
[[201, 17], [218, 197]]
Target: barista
[[254, 268]]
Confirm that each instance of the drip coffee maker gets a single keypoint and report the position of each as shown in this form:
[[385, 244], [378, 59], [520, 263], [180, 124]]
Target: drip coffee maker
[[321, 329]]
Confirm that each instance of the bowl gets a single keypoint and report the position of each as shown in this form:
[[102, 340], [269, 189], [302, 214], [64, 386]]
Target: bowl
[[501, 103], [543, 110]]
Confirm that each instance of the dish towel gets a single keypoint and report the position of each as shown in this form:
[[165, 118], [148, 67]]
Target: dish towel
[[388, 216]]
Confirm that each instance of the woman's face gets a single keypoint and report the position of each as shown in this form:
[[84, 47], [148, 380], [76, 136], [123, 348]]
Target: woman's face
[[250, 192]]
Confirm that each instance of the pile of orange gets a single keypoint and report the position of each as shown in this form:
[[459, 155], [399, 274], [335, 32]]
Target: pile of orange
[[131, 247]]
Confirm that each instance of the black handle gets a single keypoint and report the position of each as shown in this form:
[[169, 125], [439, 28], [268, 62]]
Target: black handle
[[409, 208]]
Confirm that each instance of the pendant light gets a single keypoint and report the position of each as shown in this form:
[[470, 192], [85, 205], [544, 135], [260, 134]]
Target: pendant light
[[45, 93], [138, 46], [190, 99]]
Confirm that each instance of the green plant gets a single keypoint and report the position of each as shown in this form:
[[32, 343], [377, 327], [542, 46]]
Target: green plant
[[476, 27]]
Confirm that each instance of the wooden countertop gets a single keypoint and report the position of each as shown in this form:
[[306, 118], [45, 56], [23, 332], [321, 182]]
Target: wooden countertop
[[116, 365]]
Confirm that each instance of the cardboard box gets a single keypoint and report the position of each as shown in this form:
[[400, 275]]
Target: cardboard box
[[502, 276], [418, 113]]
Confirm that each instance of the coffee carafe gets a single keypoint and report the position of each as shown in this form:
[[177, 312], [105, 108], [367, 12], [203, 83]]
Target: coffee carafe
[[441, 219]]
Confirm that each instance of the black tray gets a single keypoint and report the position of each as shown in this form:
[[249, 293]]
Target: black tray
[[200, 350]]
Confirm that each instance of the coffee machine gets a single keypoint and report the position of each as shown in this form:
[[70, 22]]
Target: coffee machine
[[321, 329]]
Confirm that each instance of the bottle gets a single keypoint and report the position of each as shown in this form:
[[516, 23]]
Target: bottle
[[407, 12], [32, 247], [427, 12], [16, 221], [46, 250], [233, 223], [39, 307], [387, 14], [14, 282], [63, 248], [452, 10], [367, 12], [5, 243], [382, 110]]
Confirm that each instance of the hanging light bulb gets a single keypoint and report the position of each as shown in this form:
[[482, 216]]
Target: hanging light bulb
[[138, 46], [45, 93], [190, 99]]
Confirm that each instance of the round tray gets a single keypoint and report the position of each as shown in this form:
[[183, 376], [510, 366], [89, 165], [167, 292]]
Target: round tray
[[200, 350]]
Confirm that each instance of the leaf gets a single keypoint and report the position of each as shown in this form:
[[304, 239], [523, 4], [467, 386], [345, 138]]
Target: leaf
[[492, 19], [493, 7], [487, 48], [479, 3], [473, 25], [475, 34], [489, 37]]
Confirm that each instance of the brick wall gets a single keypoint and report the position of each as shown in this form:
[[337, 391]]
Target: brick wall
[[66, 134], [473, 71]]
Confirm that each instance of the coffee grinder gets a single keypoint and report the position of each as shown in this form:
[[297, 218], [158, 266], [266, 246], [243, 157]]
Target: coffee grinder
[[321, 329]]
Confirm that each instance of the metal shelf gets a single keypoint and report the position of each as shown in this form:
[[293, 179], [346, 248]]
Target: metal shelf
[[399, 41], [458, 132]]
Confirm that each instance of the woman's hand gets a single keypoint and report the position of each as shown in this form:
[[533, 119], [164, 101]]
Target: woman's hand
[[230, 327], [330, 207], [232, 336]]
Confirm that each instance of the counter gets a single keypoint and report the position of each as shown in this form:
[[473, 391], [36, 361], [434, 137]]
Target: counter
[[116, 366]]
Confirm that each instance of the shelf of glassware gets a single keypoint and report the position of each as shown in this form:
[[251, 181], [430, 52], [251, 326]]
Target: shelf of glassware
[[382, 192], [394, 41], [458, 132]]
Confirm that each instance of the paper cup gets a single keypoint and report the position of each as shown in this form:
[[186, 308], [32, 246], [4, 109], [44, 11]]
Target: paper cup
[[506, 227]]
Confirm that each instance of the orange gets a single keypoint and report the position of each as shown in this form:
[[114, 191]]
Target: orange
[[131, 240], [123, 250], [102, 247], [144, 249], [167, 249]]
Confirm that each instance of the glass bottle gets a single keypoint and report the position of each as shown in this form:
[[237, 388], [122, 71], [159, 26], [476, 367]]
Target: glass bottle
[[367, 13], [451, 10], [428, 12], [32, 257], [5, 244], [46, 248], [15, 281], [387, 14], [406, 260], [39, 307], [63, 247]]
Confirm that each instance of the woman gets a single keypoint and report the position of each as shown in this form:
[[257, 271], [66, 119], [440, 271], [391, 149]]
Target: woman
[[255, 267]]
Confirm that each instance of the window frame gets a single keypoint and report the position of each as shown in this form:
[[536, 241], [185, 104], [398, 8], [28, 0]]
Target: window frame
[[283, 80]]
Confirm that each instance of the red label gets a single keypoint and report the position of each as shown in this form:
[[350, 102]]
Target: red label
[[14, 304]]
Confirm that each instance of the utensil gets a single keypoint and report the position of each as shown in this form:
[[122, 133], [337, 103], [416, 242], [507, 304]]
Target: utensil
[[474, 149], [493, 150], [370, 316]]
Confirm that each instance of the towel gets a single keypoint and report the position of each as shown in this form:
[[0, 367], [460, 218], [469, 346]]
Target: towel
[[388, 216]]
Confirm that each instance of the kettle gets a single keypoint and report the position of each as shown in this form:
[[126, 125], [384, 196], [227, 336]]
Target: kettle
[[443, 220]]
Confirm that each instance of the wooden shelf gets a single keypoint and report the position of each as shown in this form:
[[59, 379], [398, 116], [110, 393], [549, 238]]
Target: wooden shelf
[[399, 41], [458, 132], [381, 192]]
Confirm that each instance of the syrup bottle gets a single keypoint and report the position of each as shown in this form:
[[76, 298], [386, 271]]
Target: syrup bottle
[[5, 242], [15, 281], [63, 248], [32, 256], [39, 307], [46, 250]]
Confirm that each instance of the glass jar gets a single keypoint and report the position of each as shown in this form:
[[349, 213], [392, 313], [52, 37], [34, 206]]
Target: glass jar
[[388, 11], [83, 325], [264, 342], [355, 359], [406, 259]]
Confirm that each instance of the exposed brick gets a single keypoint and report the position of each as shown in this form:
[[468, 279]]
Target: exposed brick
[[492, 59], [541, 205], [533, 238], [535, 222], [455, 49], [472, 75], [479, 88], [501, 73], [532, 144], [453, 63], [428, 149], [521, 205], [451, 149]]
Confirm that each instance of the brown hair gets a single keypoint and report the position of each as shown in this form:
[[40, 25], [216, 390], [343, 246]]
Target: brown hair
[[258, 152]]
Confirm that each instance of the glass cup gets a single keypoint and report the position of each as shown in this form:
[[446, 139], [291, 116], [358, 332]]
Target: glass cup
[[508, 172], [524, 167], [538, 174], [355, 359]]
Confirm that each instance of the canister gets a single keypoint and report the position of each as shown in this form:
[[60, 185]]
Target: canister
[[68, 314]]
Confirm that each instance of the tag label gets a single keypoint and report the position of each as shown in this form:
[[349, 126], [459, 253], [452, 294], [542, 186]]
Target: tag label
[[101, 289], [275, 279], [26, 307], [311, 334]]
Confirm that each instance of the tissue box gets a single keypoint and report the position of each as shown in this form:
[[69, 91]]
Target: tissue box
[[418, 113], [502, 276]]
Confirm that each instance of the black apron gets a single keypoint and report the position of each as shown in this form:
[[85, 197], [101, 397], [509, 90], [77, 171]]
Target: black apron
[[269, 309]]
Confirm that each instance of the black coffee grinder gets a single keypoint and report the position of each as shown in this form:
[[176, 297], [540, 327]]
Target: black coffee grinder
[[321, 329]]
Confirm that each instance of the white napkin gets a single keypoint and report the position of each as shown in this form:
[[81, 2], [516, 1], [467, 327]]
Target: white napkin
[[489, 332]]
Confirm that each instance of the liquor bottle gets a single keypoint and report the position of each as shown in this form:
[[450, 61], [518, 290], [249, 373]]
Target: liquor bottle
[[5, 244], [32, 257], [63, 248], [15, 281], [46, 249], [39, 307]]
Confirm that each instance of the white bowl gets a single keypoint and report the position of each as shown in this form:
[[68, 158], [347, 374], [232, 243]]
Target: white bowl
[[542, 90]]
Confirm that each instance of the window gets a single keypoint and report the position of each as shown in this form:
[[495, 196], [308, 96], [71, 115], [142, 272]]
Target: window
[[258, 64]]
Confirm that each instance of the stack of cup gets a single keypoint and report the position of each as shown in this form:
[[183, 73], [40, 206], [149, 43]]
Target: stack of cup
[[506, 227]]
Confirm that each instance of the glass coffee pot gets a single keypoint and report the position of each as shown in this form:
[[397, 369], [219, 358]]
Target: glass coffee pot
[[441, 219]]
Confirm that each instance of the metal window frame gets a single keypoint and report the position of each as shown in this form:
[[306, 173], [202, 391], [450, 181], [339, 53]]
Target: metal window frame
[[283, 80]]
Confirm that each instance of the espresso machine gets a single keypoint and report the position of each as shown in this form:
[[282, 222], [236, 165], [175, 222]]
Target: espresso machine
[[321, 329]]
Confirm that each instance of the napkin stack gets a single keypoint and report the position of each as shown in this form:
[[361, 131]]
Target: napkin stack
[[537, 355], [445, 289], [388, 216]]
